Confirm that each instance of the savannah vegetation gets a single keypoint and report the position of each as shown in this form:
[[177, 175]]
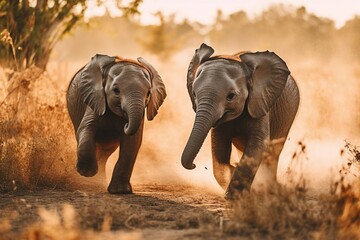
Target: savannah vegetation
[[36, 26], [42, 196]]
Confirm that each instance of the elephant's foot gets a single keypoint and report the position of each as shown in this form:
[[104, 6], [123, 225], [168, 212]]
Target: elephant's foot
[[235, 189], [87, 168], [232, 194], [119, 188], [241, 181]]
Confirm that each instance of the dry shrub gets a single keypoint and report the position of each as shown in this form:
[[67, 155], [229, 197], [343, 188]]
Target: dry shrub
[[293, 212], [345, 195], [279, 213], [35, 150]]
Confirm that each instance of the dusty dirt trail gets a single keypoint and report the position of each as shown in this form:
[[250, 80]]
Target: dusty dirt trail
[[153, 212]]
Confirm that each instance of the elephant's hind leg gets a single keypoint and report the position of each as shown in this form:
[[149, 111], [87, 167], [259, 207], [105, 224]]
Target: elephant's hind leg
[[104, 150], [266, 174], [221, 151]]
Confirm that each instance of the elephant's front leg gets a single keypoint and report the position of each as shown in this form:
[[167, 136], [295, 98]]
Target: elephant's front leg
[[129, 148], [221, 151], [86, 150], [246, 169]]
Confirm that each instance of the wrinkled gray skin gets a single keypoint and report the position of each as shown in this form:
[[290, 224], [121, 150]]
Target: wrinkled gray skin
[[245, 102], [106, 101]]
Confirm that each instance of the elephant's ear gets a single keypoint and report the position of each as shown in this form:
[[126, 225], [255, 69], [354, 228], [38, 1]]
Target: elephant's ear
[[90, 83], [269, 74], [158, 92], [201, 54]]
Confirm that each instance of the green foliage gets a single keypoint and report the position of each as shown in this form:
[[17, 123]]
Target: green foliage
[[36, 26]]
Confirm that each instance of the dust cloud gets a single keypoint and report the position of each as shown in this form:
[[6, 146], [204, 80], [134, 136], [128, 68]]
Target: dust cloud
[[327, 117]]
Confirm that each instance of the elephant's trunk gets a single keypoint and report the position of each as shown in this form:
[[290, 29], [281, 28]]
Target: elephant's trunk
[[204, 120], [135, 111]]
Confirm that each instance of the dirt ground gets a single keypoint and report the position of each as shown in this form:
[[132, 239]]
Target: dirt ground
[[152, 212]]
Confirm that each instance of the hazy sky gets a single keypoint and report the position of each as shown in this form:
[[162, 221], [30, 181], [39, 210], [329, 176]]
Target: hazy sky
[[204, 11]]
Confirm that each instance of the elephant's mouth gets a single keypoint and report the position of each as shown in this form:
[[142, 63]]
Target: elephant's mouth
[[118, 111], [217, 123], [221, 120], [124, 115]]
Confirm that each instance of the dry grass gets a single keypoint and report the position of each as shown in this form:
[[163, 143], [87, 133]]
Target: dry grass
[[56, 224], [294, 212], [35, 150]]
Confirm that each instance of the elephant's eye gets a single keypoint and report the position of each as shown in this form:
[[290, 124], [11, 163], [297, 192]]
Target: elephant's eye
[[148, 94], [230, 96], [116, 91]]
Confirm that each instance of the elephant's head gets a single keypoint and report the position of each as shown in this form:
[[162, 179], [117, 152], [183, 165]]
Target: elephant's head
[[222, 88], [126, 87]]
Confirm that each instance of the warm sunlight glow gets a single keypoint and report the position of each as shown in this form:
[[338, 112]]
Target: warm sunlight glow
[[205, 11]]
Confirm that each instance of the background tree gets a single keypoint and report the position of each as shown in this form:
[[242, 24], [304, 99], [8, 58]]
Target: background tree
[[349, 41], [290, 31], [35, 26], [168, 37]]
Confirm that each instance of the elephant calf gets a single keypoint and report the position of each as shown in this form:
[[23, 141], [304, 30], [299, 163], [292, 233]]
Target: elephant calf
[[106, 100], [248, 100]]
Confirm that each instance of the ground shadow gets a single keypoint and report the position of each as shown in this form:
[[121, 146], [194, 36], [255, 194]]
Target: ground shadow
[[159, 207]]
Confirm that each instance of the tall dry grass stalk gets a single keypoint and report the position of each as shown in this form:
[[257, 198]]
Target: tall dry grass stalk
[[6, 38]]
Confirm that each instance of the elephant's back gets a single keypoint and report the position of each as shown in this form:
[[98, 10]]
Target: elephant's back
[[76, 106], [284, 111]]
